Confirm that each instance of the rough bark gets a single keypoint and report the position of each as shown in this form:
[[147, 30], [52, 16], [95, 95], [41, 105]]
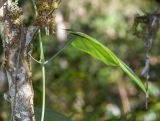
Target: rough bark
[[17, 64]]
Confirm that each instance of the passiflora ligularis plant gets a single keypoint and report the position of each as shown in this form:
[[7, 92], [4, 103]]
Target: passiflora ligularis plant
[[22, 21]]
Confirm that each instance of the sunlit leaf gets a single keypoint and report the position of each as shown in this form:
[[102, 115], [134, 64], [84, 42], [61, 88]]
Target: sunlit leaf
[[91, 46]]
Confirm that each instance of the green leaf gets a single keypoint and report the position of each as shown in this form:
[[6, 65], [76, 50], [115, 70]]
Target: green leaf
[[91, 46], [50, 115]]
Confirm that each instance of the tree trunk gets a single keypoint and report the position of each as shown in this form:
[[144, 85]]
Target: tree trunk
[[17, 64]]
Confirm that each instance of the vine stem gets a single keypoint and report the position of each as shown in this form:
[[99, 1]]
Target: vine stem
[[44, 92], [152, 29], [55, 55], [42, 60], [43, 63]]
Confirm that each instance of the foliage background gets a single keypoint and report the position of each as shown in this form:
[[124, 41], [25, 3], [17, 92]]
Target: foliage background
[[83, 88]]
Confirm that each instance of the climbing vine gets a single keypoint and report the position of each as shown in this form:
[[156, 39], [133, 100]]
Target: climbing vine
[[151, 23]]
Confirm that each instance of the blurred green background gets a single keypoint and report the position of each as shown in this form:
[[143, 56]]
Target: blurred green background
[[83, 88]]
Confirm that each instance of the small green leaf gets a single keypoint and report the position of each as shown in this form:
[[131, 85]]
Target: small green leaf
[[91, 46]]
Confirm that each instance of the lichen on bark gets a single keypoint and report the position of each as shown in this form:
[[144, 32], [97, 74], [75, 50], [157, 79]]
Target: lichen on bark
[[16, 38], [19, 27]]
